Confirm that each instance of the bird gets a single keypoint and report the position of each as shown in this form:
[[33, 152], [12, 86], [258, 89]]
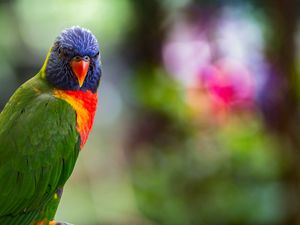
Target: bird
[[44, 126]]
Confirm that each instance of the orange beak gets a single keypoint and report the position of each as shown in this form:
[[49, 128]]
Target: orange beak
[[80, 68]]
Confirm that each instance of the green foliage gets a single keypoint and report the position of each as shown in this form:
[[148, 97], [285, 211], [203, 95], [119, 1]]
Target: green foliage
[[229, 176], [155, 90]]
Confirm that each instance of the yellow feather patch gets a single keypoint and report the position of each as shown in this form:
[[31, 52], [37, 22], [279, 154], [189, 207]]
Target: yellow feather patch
[[55, 196], [43, 69]]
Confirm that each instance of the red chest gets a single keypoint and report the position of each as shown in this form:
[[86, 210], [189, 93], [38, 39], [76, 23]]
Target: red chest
[[84, 103]]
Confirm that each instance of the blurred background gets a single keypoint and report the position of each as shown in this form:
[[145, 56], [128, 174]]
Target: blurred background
[[198, 121]]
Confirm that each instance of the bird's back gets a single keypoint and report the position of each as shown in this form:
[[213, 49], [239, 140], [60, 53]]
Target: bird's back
[[39, 146]]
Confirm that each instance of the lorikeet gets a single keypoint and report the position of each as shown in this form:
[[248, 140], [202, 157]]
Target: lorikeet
[[44, 126]]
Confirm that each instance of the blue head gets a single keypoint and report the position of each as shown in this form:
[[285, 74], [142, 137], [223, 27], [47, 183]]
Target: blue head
[[74, 61]]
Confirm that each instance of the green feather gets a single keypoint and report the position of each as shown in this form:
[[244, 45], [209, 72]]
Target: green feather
[[39, 145]]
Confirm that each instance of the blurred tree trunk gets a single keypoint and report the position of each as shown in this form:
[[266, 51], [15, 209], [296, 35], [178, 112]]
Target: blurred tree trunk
[[282, 112], [148, 34]]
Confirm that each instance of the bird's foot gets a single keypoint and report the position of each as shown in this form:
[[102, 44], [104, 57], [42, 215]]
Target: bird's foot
[[58, 223]]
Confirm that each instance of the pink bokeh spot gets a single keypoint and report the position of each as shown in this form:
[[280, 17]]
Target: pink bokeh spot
[[184, 58], [229, 84]]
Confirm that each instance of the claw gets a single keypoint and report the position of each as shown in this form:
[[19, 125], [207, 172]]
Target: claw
[[59, 223], [62, 223]]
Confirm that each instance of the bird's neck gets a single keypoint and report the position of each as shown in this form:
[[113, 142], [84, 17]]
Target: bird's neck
[[84, 103]]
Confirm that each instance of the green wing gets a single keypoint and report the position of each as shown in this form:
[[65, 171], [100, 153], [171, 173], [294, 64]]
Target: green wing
[[39, 145]]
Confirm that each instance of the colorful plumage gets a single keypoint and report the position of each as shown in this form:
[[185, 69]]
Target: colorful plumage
[[44, 126]]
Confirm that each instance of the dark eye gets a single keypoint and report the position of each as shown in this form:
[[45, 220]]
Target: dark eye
[[77, 58], [96, 55], [61, 53], [86, 58]]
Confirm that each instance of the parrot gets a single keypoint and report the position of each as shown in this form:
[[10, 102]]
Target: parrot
[[44, 126]]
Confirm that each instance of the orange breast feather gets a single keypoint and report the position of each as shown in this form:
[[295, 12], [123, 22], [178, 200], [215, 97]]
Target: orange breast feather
[[84, 103]]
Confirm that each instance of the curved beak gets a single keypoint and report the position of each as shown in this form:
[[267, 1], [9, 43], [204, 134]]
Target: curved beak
[[80, 68]]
